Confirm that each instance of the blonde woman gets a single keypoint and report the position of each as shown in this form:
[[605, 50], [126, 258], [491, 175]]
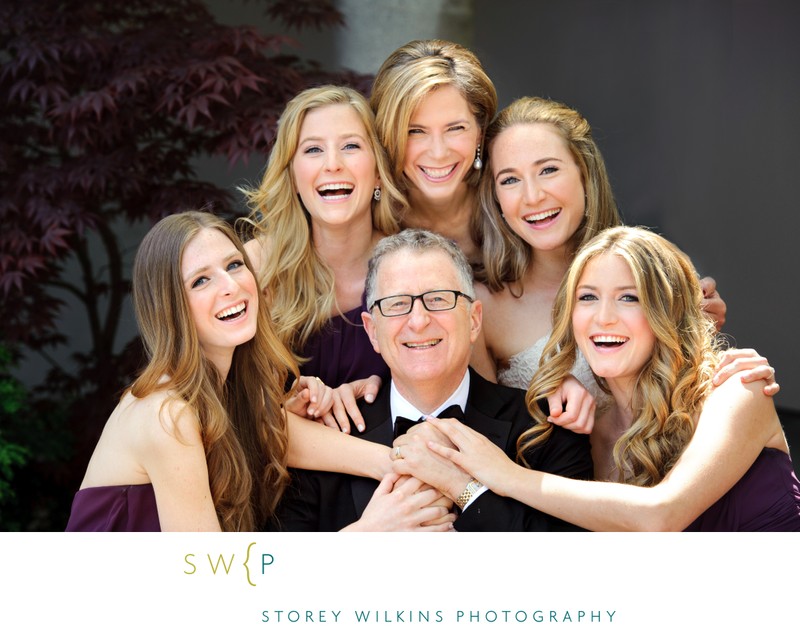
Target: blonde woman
[[325, 199], [686, 455], [433, 101]]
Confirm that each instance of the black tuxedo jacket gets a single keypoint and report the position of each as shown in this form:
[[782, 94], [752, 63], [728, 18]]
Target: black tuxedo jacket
[[323, 501]]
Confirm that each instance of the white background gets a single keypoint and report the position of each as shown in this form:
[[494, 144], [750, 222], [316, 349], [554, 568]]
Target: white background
[[652, 581]]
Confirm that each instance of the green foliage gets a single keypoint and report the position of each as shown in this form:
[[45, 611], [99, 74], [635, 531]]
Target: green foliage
[[11, 455], [12, 404], [35, 450]]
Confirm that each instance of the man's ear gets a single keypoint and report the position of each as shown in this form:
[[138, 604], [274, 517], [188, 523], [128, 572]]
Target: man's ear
[[369, 327], [475, 320]]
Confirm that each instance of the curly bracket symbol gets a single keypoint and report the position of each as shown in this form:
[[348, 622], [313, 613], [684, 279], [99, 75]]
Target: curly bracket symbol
[[249, 547]]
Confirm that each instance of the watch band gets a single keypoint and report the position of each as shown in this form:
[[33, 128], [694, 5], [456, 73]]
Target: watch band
[[472, 487]]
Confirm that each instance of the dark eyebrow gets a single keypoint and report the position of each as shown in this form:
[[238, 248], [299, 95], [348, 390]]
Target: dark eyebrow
[[460, 121], [196, 272], [535, 163], [593, 288], [343, 136]]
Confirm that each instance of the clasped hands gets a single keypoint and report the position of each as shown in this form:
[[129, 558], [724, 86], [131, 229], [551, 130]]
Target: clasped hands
[[418, 495], [411, 456]]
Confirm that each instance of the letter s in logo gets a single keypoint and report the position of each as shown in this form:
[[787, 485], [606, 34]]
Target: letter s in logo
[[186, 560]]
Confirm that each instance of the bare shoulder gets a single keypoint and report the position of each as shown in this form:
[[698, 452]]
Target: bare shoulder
[[164, 420], [743, 407], [492, 302], [493, 298], [483, 293], [734, 394], [255, 251]]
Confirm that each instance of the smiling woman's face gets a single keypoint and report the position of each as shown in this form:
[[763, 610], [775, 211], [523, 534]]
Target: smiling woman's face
[[222, 295], [609, 323], [538, 185], [443, 137], [334, 168]]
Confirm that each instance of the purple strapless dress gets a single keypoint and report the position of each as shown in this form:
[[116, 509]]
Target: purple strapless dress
[[114, 509], [766, 499], [342, 352]]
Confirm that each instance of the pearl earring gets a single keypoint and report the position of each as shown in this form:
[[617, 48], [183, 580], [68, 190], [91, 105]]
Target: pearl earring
[[478, 163]]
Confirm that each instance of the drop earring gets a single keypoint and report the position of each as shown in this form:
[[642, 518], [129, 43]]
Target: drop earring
[[478, 163], [376, 194]]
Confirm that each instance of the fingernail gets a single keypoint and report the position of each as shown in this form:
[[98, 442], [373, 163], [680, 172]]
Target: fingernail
[[369, 398], [360, 427]]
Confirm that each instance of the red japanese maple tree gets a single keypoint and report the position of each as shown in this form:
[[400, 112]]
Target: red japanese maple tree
[[104, 106]]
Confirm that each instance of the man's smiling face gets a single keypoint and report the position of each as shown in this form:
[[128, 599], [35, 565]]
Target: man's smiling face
[[423, 349]]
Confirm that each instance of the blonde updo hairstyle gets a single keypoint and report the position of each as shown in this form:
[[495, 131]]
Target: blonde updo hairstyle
[[506, 255]]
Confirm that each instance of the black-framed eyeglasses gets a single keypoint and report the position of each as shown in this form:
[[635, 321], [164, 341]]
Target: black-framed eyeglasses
[[440, 300]]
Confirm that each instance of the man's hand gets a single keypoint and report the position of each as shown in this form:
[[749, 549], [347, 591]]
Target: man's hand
[[412, 457], [401, 504]]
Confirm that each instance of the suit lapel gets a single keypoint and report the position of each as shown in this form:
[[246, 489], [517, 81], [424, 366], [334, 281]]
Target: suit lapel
[[483, 408], [379, 430]]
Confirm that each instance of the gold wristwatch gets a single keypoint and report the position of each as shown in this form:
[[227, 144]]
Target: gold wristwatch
[[472, 487]]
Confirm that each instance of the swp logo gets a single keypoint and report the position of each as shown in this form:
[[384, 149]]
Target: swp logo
[[250, 564]]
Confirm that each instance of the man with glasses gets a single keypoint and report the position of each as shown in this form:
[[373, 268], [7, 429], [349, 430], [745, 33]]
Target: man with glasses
[[423, 319]]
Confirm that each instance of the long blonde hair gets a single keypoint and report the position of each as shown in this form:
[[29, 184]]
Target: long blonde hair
[[671, 387], [408, 75], [506, 255], [241, 420], [300, 285]]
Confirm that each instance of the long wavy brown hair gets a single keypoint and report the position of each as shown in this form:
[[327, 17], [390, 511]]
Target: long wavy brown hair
[[242, 423], [672, 385]]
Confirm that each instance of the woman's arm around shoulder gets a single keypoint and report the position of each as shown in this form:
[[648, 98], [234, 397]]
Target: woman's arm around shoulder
[[313, 446], [736, 423], [172, 453]]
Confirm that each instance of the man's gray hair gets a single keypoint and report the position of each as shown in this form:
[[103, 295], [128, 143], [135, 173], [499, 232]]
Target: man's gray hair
[[419, 241]]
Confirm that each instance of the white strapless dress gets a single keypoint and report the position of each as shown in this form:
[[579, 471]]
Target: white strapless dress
[[523, 365]]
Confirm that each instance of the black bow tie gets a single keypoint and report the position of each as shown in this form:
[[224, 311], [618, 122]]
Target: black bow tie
[[402, 425]]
